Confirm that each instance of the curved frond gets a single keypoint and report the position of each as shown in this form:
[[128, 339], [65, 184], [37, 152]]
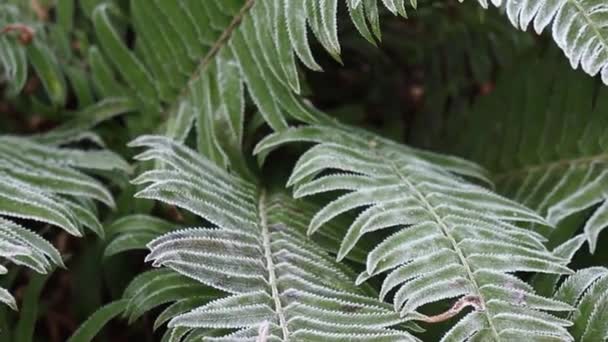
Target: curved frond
[[145, 292], [196, 60], [87, 331], [134, 232], [44, 184], [79, 128], [280, 285], [456, 239], [579, 27], [587, 291], [546, 142]]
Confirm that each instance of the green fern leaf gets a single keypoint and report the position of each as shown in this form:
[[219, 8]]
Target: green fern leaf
[[43, 184], [545, 284], [134, 232], [153, 288], [79, 127], [196, 61], [22, 42], [457, 239], [280, 285], [87, 331], [145, 292], [587, 291]]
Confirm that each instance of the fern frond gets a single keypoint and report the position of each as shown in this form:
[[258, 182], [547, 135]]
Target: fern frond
[[87, 331], [546, 284], [197, 60], [23, 41], [153, 288], [587, 291], [565, 117], [44, 184], [456, 239], [134, 232], [281, 286], [24, 247], [145, 292], [79, 128], [579, 27]]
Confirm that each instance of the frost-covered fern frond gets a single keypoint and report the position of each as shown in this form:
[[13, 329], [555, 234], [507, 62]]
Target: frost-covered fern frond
[[44, 184], [587, 291], [280, 285], [561, 113], [456, 239], [153, 288], [579, 27], [196, 59], [21, 246]]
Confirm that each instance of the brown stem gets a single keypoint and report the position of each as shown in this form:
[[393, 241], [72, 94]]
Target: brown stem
[[463, 302]]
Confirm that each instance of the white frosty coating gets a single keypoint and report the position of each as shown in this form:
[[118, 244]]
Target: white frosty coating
[[201, 59], [458, 240], [587, 290], [580, 28], [42, 183], [280, 285]]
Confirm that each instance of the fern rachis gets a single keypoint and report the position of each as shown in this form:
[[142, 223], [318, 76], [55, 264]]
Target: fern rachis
[[449, 245], [277, 281]]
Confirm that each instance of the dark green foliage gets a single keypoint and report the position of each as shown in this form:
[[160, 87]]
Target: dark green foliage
[[146, 147]]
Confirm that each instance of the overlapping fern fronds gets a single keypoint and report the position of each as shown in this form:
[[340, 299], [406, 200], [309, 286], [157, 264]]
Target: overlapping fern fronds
[[45, 184], [456, 239], [546, 142], [280, 286], [579, 27], [195, 61], [25, 41], [150, 289], [145, 292]]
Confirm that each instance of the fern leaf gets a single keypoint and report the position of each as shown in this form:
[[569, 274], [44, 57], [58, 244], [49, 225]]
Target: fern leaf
[[279, 284], [587, 291], [24, 42], [545, 284], [198, 60], [145, 292], [567, 173], [134, 232], [79, 128], [43, 184], [579, 27], [87, 331], [457, 240], [14, 57], [153, 288]]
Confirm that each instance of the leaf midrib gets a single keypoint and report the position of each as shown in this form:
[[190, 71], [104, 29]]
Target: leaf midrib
[[446, 232], [591, 23], [270, 266], [215, 48]]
